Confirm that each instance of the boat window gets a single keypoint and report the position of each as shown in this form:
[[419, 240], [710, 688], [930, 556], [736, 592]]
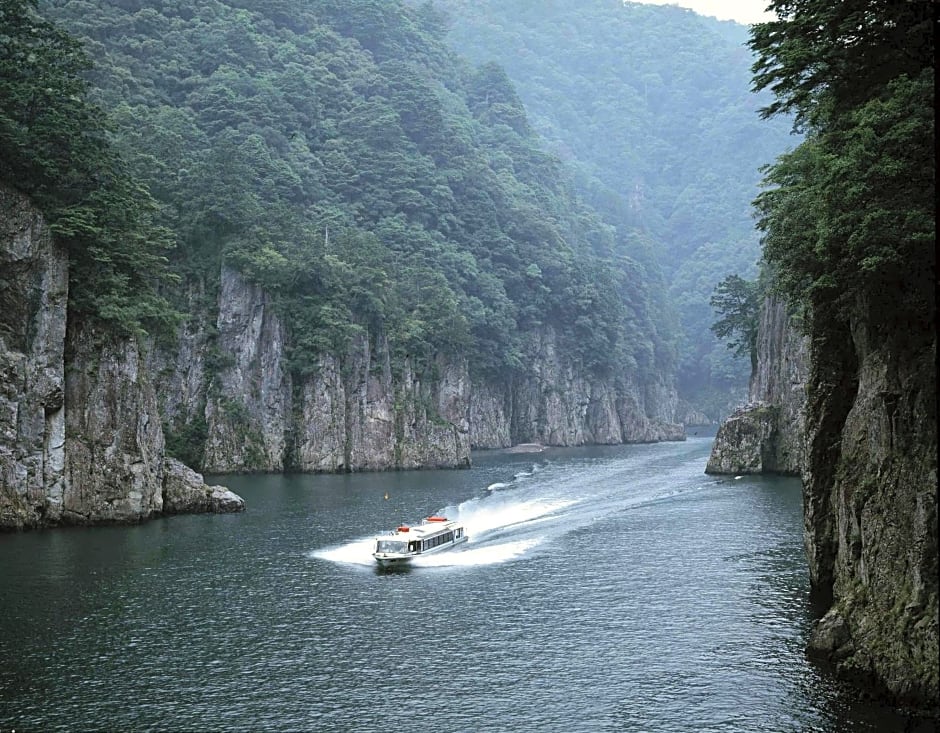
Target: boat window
[[390, 546]]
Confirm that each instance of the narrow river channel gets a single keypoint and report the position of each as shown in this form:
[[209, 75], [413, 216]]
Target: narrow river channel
[[602, 589]]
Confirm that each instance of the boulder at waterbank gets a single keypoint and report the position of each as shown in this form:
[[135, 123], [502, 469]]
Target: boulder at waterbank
[[185, 492]]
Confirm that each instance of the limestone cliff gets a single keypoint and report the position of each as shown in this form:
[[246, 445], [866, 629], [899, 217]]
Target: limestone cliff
[[353, 412], [870, 501], [80, 434], [558, 403], [356, 414], [864, 432], [357, 410], [33, 303], [248, 405], [767, 434]]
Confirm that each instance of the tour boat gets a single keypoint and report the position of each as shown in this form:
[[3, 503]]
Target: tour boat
[[434, 534]]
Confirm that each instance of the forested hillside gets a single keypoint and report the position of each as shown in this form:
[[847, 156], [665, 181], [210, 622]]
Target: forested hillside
[[342, 157], [652, 107]]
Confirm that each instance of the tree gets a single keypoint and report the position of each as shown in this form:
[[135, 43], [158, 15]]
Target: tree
[[50, 136], [846, 51], [849, 215], [54, 147], [736, 300]]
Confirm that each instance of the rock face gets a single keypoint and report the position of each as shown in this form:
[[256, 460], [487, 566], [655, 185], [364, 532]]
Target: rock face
[[33, 301], [746, 442], [865, 436], [358, 415], [185, 492], [248, 408], [355, 412], [767, 435], [870, 503], [80, 434], [557, 403], [352, 413], [691, 417], [114, 443]]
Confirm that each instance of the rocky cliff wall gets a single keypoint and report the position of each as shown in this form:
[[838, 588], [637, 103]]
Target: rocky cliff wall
[[870, 503], [80, 434], [355, 412], [248, 404], [33, 306], [768, 434], [558, 403], [114, 442], [854, 406], [352, 413]]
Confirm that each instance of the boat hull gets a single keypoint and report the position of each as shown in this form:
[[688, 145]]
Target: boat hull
[[390, 560]]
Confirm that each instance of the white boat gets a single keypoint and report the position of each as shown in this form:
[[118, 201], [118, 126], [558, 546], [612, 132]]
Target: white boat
[[434, 534]]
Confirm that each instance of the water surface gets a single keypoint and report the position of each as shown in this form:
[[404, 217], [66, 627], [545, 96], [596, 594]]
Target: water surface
[[602, 589]]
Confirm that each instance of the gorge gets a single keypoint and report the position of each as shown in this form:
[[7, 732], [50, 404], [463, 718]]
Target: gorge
[[311, 237]]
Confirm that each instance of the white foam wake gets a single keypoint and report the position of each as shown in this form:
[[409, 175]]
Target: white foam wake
[[482, 516], [474, 556], [483, 519], [357, 552]]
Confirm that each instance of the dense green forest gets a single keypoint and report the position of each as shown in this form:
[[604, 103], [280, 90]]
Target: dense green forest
[[54, 146], [342, 156], [849, 216], [652, 108]]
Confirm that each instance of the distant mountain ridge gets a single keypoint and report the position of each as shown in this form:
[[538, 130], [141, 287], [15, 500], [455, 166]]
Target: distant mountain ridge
[[652, 106]]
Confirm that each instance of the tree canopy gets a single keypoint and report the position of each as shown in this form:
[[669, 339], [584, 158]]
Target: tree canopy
[[849, 216], [54, 147], [652, 108], [343, 157], [736, 301]]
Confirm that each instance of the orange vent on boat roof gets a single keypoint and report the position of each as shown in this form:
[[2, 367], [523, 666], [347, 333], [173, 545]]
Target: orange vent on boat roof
[[403, 528], [437, 519]]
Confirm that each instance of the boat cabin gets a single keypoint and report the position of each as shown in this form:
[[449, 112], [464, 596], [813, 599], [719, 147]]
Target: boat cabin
[[432, 535]]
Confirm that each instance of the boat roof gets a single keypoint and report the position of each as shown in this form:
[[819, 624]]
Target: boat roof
[[429, 527]]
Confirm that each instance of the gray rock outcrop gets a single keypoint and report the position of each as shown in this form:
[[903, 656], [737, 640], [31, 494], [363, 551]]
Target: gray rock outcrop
[[559, 403], [359, 415], [114, 442], [767, 435], [33, 303], [853, 409], [80, 432], [870, 503], [248, 407], [355, 411], [186, 492]]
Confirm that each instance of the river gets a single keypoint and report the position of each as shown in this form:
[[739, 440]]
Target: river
[[602, 589]]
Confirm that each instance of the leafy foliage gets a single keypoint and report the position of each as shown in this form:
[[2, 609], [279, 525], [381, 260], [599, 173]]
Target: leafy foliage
[[737, 302], [821, 55], [340, 155], [849, 216], [54, 147], [651, 106]]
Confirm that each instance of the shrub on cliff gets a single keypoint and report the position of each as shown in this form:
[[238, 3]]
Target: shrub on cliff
[[54, 147]]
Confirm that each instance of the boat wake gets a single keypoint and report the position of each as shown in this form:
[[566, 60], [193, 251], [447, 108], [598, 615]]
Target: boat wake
[[516, 478], [486, 520], [475, 556], [506, 525], [357, 552]]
